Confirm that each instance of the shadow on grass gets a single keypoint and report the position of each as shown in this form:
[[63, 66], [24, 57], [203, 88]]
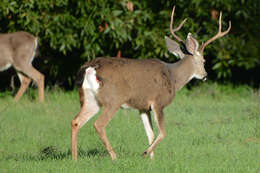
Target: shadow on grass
[[53, 153]]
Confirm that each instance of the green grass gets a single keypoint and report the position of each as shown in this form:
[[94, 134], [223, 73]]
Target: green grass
[[209, 129]]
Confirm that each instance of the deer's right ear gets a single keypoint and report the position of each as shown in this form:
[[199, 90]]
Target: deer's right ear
[[174, 47], [192, 44]]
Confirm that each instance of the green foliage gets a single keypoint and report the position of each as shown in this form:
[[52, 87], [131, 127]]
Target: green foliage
[[74, 31], [212, 128]]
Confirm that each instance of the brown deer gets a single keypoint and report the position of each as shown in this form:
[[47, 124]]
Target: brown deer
[[146, 85], [18, 49]]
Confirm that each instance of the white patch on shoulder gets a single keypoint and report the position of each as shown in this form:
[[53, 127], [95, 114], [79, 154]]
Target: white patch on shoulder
[[90, 80], [195, 76], [5, 67]]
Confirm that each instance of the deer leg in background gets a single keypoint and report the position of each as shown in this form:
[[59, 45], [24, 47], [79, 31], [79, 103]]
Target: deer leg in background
[[25, 81], [147, 121], [31, 72]]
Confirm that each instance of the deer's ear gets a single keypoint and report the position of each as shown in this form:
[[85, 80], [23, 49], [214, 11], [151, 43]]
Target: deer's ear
[[191, 44], [174, 47]]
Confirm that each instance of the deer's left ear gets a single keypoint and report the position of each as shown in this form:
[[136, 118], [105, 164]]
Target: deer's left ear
[[191, 44], [174, 47]]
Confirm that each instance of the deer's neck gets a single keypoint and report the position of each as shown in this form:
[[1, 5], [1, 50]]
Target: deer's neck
[[181, 72]]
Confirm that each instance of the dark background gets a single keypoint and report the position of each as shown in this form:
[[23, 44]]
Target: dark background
[[72, 32]]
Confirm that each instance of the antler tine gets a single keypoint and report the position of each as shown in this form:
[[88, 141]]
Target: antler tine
[[178, 28], [218, 35]]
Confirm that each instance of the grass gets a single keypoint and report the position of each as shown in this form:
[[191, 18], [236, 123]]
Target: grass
[[211, 128]]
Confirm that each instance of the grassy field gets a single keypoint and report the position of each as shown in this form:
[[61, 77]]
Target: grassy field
[[211, 128]]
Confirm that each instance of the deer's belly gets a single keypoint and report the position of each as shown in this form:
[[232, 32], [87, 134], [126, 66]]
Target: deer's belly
[[142, 105]]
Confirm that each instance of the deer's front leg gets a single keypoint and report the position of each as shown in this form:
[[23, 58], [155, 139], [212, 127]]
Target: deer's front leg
[[100, 126], [159, 117], [147, 121]]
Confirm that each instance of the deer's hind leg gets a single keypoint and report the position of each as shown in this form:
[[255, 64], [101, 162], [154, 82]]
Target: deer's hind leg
[[89, 107], [38, 77], [23, 64], [100, 125], [25, 81]]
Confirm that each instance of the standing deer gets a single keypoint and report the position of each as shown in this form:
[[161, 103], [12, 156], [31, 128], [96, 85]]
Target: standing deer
[[18, 50], [146, 85]]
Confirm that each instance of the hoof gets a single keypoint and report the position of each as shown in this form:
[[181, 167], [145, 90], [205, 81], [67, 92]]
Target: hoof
[[145, 154], [113, 156]]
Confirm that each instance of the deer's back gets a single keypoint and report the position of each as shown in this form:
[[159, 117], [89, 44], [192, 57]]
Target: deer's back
[[137, 83], [15, 39], [16, 47]]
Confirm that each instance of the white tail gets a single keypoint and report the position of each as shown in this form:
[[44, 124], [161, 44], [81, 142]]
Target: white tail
[[18, 50], [145, 85]]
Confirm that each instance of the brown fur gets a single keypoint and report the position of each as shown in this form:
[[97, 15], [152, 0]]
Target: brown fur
[[146, 85], [141, 84], [17, 49], [128, 87]]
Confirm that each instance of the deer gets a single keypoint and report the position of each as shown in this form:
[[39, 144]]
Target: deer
[[18, 49], [148, 85]]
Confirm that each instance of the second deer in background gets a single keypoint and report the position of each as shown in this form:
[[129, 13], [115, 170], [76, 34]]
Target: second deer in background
[[18, 49], [146, 85]]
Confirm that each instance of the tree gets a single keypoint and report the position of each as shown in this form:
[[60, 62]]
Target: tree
[[74, 31]]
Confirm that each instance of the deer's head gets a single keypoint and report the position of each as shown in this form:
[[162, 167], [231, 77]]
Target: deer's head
[[191, 46]]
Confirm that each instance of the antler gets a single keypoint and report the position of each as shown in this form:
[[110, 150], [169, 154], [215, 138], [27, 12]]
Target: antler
[[176, 29], [218, 35]]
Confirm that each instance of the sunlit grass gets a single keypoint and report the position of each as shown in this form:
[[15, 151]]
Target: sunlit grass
[[211, 128]]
